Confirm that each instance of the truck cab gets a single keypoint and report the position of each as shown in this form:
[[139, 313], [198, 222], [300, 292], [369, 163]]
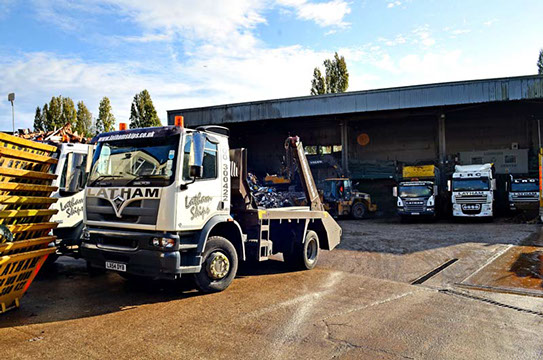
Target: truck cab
[[419, 194], [70, 181], [523, 193], [473, 189], [416, 198]]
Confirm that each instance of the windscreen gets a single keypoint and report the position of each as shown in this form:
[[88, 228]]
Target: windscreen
[[524, 187], [415, 191], [474, 184], [138, 162]]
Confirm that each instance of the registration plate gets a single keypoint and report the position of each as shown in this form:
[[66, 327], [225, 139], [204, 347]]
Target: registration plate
[[110, 265]]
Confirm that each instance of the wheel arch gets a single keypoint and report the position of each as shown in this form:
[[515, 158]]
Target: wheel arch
[[225, 226], [317, 226]]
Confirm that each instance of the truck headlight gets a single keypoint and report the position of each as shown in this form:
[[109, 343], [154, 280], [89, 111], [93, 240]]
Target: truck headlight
[[163, 242], [400, 202], [431, 201]]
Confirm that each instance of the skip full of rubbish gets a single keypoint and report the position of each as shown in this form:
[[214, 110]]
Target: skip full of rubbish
[[269, 197]]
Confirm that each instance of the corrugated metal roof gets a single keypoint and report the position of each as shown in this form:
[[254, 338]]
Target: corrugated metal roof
[[409, 97]]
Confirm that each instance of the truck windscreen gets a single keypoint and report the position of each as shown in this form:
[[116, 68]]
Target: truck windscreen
[[475, 184], [524, 187], [138, 162], [415, 191]]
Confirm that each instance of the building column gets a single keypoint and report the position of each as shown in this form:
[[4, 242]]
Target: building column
[[442, 149], [344, 129]]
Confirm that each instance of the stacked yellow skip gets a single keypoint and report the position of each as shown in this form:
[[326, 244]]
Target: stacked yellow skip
[[25, 189]]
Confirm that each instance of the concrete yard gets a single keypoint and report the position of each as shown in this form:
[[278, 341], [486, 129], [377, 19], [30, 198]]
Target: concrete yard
[[358, 304]]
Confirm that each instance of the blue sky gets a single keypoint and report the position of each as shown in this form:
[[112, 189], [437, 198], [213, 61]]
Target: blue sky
[[196, 53]]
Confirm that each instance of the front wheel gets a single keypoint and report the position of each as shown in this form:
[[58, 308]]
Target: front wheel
[[219, 265], [359, 211]]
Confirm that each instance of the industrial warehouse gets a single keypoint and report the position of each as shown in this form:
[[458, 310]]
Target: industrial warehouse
[[373, 133]]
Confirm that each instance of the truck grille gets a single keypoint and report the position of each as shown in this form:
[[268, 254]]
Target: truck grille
[[415, 206], [525, 199], [471, 199], [137, 212], [117, 242]]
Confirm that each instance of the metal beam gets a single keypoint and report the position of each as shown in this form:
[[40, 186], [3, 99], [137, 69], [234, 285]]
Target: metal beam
[[442, 148], [344, 126]]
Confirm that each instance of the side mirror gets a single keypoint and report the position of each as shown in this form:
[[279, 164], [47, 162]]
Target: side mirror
[[449, 185], [74, 174], [436, 189], [196, 160], [196, 171], [90, 153], [493, 184], [395, 191]]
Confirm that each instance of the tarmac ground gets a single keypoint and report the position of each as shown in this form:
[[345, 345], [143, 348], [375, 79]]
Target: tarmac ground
[[409, 291]]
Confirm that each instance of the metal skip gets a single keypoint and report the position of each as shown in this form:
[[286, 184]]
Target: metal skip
[[25, 187]]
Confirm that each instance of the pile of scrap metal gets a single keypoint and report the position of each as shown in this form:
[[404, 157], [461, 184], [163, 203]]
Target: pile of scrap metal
[[269, 197], [62, 135]]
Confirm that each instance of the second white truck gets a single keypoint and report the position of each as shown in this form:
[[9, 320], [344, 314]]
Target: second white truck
[[472, 188]]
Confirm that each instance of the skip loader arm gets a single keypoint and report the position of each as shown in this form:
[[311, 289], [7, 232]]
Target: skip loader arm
[[296, 154]]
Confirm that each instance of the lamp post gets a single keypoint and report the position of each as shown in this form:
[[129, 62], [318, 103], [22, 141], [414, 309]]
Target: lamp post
[[11, 98]]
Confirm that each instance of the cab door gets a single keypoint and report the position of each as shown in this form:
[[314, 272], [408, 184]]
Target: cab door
[[199, 199]]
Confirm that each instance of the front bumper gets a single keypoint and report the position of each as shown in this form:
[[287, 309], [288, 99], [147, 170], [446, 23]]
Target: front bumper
[[426, 212], [484, 211], [532, 205], [133, 249]]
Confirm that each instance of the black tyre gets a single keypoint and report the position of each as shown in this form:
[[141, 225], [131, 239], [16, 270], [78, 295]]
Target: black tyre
[[304, 255], [359, 210], [219, 265]]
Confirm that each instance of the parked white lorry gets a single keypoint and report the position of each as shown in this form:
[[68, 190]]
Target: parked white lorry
[[70, 181], [473, 191], [165, 202]]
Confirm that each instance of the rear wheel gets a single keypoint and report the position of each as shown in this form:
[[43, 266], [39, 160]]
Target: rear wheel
[[219, 265], [305, 255], [359, 210]]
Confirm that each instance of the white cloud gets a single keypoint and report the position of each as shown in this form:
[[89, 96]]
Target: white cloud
[[393, 3], [324, 14], [490, 22], [423, 36], [207, 79]]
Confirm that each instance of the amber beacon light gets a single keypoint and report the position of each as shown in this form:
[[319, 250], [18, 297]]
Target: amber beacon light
[[122, 126], [179, 121]]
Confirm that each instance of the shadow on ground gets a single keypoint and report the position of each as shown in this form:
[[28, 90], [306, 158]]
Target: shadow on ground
[[66, 291]]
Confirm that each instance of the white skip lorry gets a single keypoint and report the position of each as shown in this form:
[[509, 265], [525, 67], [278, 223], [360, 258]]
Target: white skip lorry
[[70, 181], [473, 189], [166, 202]]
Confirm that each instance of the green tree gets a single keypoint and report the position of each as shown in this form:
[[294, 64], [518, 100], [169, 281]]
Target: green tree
[[105, 120], [84, 120], [53, 114], [59, 112], [68, 113], [335, 80], [142, 112], [318, 85], [38, 120], [540, 63]]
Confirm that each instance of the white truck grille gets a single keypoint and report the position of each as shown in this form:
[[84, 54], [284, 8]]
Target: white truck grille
[[471, 199]]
